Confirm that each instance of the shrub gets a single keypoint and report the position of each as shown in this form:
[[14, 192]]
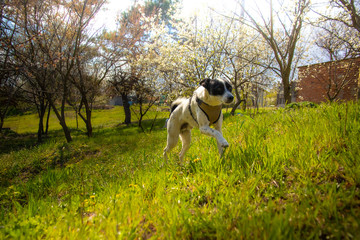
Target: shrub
[[296, 105]]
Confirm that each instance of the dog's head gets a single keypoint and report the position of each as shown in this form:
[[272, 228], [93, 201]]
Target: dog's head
[[215, 91]]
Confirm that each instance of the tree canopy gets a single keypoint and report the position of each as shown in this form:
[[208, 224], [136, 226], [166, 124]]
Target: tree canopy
[[50, 56]]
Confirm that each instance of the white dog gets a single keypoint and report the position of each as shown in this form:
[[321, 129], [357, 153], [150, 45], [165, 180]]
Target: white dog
[[201, 110]]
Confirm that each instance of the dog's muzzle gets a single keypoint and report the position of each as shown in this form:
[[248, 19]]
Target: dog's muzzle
[[229, 98]]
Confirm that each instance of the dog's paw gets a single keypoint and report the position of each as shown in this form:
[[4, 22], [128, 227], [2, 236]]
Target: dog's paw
[[222, 150], [225, 144]]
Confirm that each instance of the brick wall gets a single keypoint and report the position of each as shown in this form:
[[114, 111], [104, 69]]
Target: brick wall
[[321, 82]]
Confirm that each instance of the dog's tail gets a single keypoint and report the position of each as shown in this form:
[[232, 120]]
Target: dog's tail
[[176, 103]]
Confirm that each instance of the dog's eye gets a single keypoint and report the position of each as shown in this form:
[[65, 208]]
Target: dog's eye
[[228, 86]]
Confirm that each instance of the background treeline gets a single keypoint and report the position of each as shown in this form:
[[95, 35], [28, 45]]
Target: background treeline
[[52, 57]]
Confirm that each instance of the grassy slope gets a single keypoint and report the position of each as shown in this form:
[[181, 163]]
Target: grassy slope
[[287, 174]]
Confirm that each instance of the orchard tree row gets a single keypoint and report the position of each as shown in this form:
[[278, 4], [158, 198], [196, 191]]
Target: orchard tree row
[[52, 57]]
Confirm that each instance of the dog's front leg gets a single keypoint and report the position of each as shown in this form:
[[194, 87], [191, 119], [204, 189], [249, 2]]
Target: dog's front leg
[[221, 147], [222, 143]]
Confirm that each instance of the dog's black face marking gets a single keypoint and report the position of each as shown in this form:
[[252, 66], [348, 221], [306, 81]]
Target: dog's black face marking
[[215, 87]]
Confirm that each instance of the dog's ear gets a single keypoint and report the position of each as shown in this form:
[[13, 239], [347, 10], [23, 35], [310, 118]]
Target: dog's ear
[[205, 83]]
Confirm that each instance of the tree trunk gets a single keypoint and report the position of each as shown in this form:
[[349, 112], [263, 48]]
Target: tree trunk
[[77, 118], [62, 121], [87, 119], [89, 128], [41, 129], [237, 103], [66, 130], [126, 106], [244, 105], [244, 102], [47, 120], [41, 112], [285, 77], [287, 92], [140, 122], [2, 117]]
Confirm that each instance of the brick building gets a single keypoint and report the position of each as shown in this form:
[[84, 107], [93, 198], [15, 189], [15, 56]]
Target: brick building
[[329, 81]]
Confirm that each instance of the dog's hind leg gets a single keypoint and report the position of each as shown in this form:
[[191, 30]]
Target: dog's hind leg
[[185, 139], [172, 140]]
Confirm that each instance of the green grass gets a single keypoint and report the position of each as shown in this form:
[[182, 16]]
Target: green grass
[[288, 174], [100, 118]]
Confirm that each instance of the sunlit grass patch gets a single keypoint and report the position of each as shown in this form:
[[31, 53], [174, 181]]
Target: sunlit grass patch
[[287, 174]]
